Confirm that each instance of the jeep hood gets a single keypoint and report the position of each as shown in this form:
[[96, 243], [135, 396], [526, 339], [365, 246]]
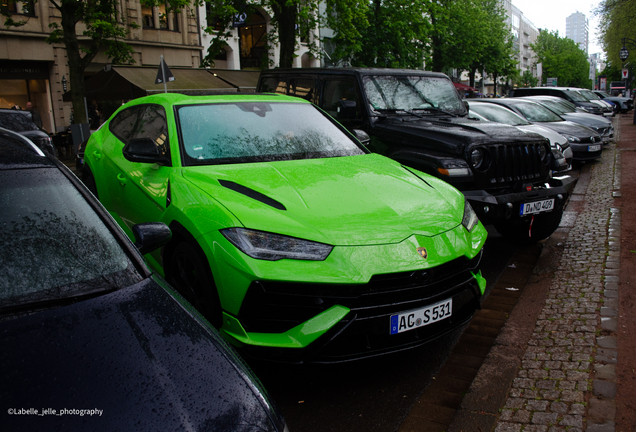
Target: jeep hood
[[457, 133], [356, 200]]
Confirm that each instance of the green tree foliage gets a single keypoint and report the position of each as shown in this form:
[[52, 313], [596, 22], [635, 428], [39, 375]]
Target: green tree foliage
[[562, 58], [617, 18], [457, 36], [471, 35], [527, 79], [396, 36], [291, 19], [88, 27]]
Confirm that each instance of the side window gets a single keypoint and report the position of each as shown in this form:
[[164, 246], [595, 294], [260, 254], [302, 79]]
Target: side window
[[303, 88], [337, 90], [153, 124], [273, 85], [123, 123]]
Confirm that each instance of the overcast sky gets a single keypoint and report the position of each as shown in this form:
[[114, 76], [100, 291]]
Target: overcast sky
[[551, 15]]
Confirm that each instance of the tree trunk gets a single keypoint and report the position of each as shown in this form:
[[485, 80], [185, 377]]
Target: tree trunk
[[494, 85], [471, 77], [76, 63], [285, 15]]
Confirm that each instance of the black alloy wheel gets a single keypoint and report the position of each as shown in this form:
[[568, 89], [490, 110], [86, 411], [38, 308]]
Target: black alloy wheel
[[190, 274]]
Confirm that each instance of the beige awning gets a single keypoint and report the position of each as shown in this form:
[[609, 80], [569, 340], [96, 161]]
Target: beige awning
[[131, 82]]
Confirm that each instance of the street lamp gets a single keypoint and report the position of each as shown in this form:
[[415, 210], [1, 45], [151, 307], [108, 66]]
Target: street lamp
[[623, 54]]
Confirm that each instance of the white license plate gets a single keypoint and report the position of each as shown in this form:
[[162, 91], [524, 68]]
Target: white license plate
[[421, 317], [536, 207], [593, 148]]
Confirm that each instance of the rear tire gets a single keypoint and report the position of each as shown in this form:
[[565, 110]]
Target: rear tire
[[519, 230], [189, 272]]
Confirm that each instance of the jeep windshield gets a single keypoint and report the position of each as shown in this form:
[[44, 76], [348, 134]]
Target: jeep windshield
[[245, 132], [412, 93]]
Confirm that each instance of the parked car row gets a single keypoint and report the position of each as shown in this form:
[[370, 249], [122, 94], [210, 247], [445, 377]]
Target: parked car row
[[299, 237], [586, 143], [583, 99]]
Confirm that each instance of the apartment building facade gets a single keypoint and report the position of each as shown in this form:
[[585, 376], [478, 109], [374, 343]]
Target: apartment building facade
[[33, 70], [577, 28]]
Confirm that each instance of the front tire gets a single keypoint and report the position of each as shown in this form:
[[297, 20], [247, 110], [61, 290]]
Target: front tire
[[519, 230], [189, 272]]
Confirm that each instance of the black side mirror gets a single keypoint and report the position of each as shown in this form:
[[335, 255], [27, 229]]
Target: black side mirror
[[151, 235], [143, 150], [362, 136], [346, 109], [466, 105]]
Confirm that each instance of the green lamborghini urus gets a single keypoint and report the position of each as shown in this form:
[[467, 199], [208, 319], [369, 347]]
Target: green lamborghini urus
[[288, 235]]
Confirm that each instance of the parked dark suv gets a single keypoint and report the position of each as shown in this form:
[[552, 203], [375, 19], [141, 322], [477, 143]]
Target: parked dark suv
[[418, 119]]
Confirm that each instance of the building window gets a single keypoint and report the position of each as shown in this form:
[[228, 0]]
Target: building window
[[18, 7], [147, 16], [211, 19], [167, 20]]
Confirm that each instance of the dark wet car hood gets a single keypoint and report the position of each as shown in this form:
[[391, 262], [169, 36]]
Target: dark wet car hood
[[569, 128], [458, 132], [589, 120], [134, 354]]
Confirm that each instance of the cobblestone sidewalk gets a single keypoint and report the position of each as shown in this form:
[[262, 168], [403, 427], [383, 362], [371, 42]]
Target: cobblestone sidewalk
[[567, 380]]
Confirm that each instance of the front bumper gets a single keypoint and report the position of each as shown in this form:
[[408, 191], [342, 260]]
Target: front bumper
[[492, 208], [364, 328], [339, 309]]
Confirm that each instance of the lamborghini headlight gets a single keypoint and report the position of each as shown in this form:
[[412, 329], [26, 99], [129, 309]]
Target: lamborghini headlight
[[273, 247], [470, 217]]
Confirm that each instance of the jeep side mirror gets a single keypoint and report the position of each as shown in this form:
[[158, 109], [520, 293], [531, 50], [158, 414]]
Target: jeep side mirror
[[143, 150], [346, 109], [362, 136]]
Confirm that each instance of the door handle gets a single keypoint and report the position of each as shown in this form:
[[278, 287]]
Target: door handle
[[122, 180], [97, 154]]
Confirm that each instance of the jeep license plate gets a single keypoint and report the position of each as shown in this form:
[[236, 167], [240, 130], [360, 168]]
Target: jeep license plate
[[421, 317], [537, 207]]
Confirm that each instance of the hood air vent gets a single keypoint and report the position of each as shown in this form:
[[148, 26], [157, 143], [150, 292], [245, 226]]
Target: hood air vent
[[252, 194]]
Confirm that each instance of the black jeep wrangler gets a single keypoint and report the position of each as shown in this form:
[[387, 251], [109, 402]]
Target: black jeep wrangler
[[418, 119]]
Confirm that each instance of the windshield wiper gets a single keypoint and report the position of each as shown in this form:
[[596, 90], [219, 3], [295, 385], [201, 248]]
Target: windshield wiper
[[398, 111], [436, 110], [50, 303]]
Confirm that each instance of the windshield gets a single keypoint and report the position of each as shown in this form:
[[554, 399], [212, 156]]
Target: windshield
[[498, 114], [534, 112], [604, 94], [53, 243], [575, 96], [246, 132], [17, 121], [553, 106], [589, 95], [399, 92]]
